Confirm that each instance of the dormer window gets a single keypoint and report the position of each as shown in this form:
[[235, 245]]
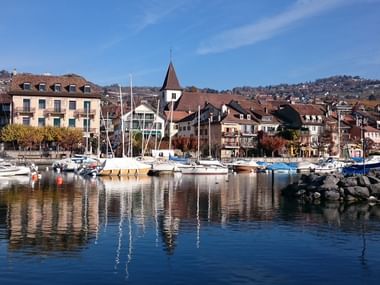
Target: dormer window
[[42, 87], [307, 117], [248, 116], [87, 89], [57, 87], [241, 116], [72, 88], [27, 86]]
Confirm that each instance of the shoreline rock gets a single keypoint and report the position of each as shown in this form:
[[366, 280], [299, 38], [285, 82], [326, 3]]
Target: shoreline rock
[[335, 187]]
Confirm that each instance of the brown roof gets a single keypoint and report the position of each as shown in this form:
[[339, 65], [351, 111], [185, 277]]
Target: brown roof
[[18, 81], [190, 101], [171, 81], [307, 109], [5, 98], [177, 115], [234, 117]]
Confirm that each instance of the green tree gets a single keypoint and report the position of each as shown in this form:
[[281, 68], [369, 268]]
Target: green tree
[[70, 138]]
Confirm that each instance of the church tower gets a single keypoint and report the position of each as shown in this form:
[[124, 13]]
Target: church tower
[[171, 90]]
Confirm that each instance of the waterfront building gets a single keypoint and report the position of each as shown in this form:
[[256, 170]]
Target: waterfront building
[[5, 109], [310, 120], [59, 101]]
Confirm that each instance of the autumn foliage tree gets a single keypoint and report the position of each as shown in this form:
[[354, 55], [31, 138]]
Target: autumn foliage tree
[[272, 143], [29, 137], [185, 144]]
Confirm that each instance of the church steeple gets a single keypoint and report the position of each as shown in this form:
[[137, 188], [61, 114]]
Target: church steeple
[[171, 82], [171, 90]]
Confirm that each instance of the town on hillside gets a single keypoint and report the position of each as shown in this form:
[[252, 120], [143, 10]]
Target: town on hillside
[[337, 116]]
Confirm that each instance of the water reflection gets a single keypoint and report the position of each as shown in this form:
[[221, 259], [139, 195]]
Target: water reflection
[[64, 212]]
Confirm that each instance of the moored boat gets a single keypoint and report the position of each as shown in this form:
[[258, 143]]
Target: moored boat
[[119, 166]]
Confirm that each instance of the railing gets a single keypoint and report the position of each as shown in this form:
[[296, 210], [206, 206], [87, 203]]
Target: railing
[[84, 112], [248, 134], [24, 110], [55, 111], [230, 134], [90, 130], [231, 145]]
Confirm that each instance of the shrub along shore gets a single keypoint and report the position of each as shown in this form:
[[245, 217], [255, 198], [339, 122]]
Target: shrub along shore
[[335, 187]]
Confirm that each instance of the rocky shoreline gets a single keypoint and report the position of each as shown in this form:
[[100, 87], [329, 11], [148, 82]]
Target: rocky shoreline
[[335, 187]]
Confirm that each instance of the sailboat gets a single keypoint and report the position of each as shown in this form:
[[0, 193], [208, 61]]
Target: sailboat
[[118, 166], [204, 166]]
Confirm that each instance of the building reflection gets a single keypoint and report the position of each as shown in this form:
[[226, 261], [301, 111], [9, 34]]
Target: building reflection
[[48, 216]]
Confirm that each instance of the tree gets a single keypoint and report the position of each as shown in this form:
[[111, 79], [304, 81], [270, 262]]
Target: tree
[[272, 143], [71, 138]]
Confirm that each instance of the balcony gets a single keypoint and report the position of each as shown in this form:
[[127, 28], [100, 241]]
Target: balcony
[[54, 112], [248, 134], [230, 134], [90, 130], [250, 143], [24, 111], [84, 113], [233, 145]]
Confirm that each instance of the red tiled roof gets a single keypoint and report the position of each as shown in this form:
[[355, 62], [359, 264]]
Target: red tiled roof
[[190, 101], [171, 81], [307, 109], [177, 115], [5, 98], [18, 80]]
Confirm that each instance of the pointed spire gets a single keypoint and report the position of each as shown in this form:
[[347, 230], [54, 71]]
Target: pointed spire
[[171, 81]]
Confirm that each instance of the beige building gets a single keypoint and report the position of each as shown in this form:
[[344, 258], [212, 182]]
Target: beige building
[[60, 101]]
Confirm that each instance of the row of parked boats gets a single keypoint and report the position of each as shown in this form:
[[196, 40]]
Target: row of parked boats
[[8, 169], [149, 165]]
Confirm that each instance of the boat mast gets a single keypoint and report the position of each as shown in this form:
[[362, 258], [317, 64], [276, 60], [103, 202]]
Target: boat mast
[[131, 120], [170, 125], [122, 122], [199, 126], [209, 137], [339, 134], [156, 123]]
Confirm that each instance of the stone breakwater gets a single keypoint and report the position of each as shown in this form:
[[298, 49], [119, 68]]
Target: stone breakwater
[[335, 187]]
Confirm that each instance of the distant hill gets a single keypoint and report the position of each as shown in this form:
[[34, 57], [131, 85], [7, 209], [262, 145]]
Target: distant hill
[[340, 86], [347, 87]]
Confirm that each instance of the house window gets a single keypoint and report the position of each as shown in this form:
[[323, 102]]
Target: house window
[[72, 105], [57, 87], [26, 105], [41, 122], [241, 116], [174, 96], [26, 121], [42, 87], [27, 86], [72, 88], [57, 122], [86, 124], [87, 89], [72, 123], [57, 106], [87, 106], [248, 116], [41, 104]]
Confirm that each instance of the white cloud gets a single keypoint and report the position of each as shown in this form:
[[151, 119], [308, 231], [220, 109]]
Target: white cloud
[[268, 27], [155, 10]]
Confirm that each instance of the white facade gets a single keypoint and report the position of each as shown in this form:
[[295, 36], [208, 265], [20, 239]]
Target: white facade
[[171, 96], [145, 120]]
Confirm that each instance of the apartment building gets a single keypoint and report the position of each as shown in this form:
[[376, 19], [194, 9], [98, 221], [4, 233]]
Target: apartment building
[[60, 101]]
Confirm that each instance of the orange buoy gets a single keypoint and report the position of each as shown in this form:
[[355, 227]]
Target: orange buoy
[[59, 180]]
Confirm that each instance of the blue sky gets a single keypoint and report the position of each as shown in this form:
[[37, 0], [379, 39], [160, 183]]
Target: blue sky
[[218, 44]]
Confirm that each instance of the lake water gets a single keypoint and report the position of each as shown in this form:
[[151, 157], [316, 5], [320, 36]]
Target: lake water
[[234, 229]]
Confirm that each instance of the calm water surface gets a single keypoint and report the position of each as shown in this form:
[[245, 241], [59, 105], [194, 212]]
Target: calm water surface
[[233, 229]]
